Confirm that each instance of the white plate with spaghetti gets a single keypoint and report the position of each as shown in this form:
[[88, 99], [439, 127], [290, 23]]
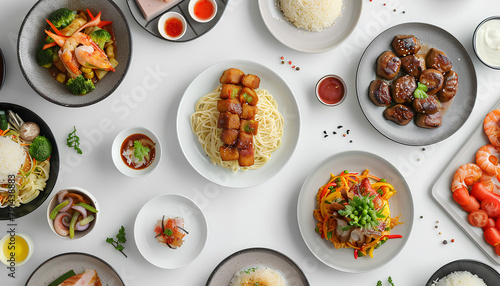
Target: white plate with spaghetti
[[206, 82], [307, 41], [401, 204], [170, 206]]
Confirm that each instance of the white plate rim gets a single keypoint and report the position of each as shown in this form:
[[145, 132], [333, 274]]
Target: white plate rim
[[272, 21], [204, 83], [200, 239], [306, 204], [75, 254]]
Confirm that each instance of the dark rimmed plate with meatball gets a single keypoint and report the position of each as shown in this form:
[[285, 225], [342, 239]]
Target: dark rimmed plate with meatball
[[416, 84]]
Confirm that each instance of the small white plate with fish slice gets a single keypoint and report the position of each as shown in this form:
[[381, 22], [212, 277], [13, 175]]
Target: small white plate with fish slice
[[170, 206], [55, 267]]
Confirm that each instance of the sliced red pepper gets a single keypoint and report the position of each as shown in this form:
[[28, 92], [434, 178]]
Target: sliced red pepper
[[104, 23], [355, 254], [391, 236], [50, 45], [325, 220], [325, 189], [90, 15], [54, 28]]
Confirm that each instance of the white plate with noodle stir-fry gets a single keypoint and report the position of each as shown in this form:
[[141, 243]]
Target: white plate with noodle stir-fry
[[201, 154], [34, 179], [400, 205]]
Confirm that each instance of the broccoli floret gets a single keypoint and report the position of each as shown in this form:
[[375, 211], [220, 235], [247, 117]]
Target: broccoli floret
[[62, 17], [80, 85], [100, 37], [44, 57], [40, 148]]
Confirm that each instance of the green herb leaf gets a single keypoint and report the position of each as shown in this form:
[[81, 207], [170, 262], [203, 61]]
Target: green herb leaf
[[379, 283], [120, 239], [74, 141], [168, 232], [140, 150], [420, 92], [390, 280]]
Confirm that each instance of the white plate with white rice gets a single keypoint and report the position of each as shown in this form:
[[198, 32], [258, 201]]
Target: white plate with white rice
[[464, 272], [317, 26]]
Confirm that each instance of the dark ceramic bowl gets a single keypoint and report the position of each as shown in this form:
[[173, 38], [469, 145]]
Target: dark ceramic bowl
[[32, 35], [2, 69], [28, 115]]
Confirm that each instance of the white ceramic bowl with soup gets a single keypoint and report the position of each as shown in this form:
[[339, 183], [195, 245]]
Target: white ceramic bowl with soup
[[134, 141], [16, 249], [78, 194], [486, 42]]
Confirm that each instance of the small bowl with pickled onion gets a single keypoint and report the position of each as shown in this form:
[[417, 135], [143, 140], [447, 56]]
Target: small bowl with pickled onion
[[136, 151], [72, 213], [172, 26]]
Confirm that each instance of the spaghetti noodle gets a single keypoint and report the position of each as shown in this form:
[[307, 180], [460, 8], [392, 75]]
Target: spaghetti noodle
[[267, 140]]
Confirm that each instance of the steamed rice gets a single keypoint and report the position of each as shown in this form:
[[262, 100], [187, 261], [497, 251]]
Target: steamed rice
[[459, 278], [311, 15], [12, 157], [260, 275]]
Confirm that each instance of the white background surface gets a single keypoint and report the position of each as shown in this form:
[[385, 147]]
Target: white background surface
[[263, 216]]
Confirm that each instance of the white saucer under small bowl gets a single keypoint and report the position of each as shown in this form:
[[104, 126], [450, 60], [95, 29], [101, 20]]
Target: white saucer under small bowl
[[170, 206], [93, 203], [163, 20], [193, 15], [117, 157]]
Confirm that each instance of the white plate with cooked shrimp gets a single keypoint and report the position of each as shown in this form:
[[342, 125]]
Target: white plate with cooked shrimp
[[441, 189], [170, 206], [401, 204]]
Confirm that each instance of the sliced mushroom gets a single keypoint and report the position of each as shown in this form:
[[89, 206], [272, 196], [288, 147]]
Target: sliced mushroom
[[29, 131]]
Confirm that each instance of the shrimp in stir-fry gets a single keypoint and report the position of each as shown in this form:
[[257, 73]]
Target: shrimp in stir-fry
[[487, 159], [491, 126], [466, 176], [491, 183]]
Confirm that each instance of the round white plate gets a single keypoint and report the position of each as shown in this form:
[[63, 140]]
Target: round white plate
[[311, 42], [400, 204], [170, 205], [206, 82], [58, 265], [253, 257]]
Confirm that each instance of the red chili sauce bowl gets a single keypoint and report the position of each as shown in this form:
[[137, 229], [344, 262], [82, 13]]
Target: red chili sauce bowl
[[331, 90]]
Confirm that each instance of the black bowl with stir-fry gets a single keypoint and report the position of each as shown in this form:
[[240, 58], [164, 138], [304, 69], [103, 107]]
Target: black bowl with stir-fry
[[51, 80], [7, 213]]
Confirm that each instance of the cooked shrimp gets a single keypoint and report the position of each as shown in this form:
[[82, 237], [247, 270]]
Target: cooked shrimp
[[487, 159], [465, 176], [491, 183], [491, 126], [91, 57]]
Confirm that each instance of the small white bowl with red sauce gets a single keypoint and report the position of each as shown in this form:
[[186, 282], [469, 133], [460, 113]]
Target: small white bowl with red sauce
[[172, 26], [202, 11], [124, 148], [331, 90]]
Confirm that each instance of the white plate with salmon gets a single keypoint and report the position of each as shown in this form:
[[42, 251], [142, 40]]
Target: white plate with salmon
[[88, 269]]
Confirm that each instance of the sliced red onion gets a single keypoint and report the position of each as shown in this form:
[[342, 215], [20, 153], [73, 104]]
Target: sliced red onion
[[81, 210], [70, 199], [61, 195], [66, 220], [81, 227]]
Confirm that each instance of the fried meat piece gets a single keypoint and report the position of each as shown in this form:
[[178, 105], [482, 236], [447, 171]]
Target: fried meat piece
[[249, 126], [230, 91], [388, 65], [248, 95], [245, 141], [413, 65], [428, 120], [399, 113], [231, 105], [379, 93], [248, 111], [405, 45], [229, 153], [433, 79], [229, 136], [402, 89], [427, 105], [228, 120], [438, 60], [247, 157], [251, 81], [450, 86], [231, 75]]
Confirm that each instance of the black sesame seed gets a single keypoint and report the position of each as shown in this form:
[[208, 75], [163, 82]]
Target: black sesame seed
[[421, 216], [325, 136], [348, 131], [324, 131], [445, 241], [350, 141], [340, 126], [334, 132], [423, 149]]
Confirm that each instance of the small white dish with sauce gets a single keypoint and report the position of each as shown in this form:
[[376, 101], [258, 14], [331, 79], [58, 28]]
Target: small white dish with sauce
[[172, 16], [486, 42], [118, 160], [198, 10]]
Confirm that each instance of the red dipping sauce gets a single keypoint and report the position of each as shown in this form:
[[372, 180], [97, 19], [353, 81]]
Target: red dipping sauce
[[173, 27], [203, 9], [330, 90]]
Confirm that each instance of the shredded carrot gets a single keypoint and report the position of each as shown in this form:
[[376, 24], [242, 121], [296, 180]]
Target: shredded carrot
[[373, 177], [55, 29]]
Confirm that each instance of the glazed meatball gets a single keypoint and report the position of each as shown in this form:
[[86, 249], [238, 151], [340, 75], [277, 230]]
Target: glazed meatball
[[433, 79], [402, 89], [399, 113], [379, 93], [388, 65], [438, 60], [428, 120], [406, 45], [450, 86], [427, 105], [413, 65]]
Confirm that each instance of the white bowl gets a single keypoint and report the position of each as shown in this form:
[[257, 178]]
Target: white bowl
[[8, 261], [196, 18], [164, 18], [93, 202], [117, 157]]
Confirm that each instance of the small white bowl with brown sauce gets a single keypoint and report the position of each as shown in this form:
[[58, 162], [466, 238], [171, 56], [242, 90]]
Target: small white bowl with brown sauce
[[136, 151]]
